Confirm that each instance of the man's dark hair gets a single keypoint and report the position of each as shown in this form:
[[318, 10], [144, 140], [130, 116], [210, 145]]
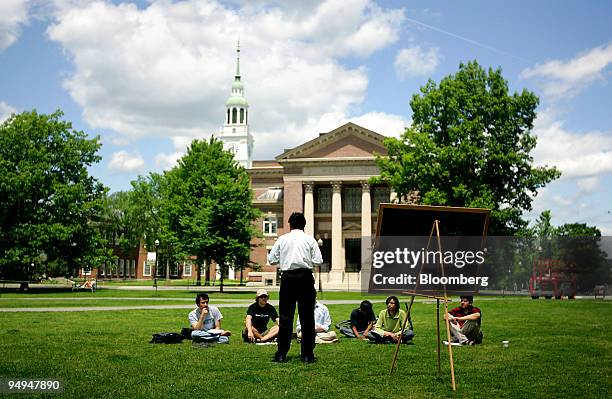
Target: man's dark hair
[[297, 221], [397, 303], [366, 307], [200, 296], [470, 298]]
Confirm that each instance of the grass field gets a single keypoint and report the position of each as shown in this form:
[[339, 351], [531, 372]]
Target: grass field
[[557, 349]]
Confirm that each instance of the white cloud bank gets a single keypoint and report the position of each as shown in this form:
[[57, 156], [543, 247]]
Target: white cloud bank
[[562, 79], [13, 15], [123, 161], [6, 110], [416, 61], [166, 69], [575, 154]]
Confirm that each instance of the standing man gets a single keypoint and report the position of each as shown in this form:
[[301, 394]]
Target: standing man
[[297, 254], [464, 322]]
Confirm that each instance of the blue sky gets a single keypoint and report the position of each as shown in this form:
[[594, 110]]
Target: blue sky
[[149, 76]]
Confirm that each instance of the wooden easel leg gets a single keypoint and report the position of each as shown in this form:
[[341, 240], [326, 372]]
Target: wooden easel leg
[[450, 347], [438, 332]]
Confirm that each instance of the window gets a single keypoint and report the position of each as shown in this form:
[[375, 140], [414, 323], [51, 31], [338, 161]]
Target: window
[[234, 115], [228, 116], [103, 269], [148, 265], [187, 269], [269, 226], [241, 115], [133, 268], [203, 269], [380, 194], [352, 247], [351, 199], [324, 199]]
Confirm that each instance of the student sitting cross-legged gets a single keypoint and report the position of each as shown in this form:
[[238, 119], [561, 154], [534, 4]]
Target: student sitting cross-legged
[[258, 316], [389, 325], [206, 322], [361, 322]]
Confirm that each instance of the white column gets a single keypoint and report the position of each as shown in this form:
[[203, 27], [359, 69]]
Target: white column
[[366, 210], [309, 208], [337, 253]]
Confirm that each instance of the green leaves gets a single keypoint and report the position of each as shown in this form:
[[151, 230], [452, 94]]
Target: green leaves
[[209, 202], [47, 198], [469, 145]]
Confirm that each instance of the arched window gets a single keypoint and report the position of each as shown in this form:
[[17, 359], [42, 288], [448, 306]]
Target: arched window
[[241, 115], [234, 115], [246, 117], [228, 116]]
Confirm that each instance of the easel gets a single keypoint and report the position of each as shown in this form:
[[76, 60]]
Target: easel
[[435, 227]]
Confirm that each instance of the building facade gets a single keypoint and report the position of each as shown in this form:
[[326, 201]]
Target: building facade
[[327, 179]]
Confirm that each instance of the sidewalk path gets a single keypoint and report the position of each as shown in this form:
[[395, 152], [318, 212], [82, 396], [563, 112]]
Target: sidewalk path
[[243, 304]]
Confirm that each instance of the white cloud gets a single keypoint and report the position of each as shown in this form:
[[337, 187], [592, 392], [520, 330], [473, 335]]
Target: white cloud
[[588, 184], [574, 154], [166, 69], [270, 144], [416, 61], [125, 162], [562, 79], [13, 15], [167, 161], [5, 111]]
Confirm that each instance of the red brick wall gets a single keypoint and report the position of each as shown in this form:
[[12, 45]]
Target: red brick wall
[[293, 199]]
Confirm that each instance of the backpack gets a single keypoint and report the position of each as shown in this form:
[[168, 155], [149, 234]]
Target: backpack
[[166, 338]]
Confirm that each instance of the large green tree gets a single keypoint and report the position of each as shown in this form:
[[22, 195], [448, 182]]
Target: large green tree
[[210, 206], [49, 204], [470, 145]]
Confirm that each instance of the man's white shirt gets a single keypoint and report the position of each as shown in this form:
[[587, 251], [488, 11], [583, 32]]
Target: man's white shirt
[[295, 250]]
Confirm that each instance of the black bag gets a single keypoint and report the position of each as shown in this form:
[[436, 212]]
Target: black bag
[[186, 332], [166, 338]]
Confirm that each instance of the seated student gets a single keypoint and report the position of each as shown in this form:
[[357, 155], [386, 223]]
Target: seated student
[[258, 315], [322, 321], [362, 321], [389, 325], [206, 322], [464, 322]]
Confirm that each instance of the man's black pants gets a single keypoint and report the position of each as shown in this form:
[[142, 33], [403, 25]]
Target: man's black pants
[[297, 286]]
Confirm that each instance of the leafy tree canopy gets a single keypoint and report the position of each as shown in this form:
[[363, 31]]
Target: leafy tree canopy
[[210, 205], [469, 145], [48, 201]]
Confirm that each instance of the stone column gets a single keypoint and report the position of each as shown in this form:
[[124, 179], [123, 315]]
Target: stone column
[[366, 227], [337, 263], [366, 210], [309, 208]]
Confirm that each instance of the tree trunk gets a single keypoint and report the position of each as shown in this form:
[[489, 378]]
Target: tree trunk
[[208, 273], [221, 279], [241, 270], [198, 275]]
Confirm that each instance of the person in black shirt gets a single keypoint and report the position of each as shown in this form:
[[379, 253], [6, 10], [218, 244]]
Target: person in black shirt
[[258, 316], [362, 321]]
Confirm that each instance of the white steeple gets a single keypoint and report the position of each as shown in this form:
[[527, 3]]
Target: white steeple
[[235, 132]]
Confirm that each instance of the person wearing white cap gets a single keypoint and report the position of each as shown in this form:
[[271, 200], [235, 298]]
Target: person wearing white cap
[[258, 316]]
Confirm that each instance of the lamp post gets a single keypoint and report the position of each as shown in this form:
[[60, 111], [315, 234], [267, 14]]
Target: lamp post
[[320, 243], [155, 272]]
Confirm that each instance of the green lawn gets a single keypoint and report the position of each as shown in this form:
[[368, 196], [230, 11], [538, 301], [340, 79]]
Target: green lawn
[[557, 349]]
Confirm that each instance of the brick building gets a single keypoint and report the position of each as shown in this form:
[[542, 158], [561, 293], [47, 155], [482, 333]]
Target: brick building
[[327, 179]]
